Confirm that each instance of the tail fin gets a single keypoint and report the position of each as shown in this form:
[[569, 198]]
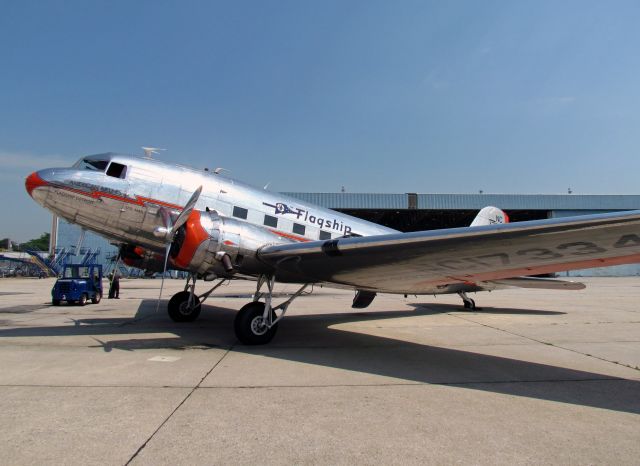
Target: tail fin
[[489, 216]]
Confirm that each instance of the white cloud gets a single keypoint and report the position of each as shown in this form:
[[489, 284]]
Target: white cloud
[[22, 161]]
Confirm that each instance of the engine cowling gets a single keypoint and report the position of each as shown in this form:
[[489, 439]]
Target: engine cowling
[[209, 243]]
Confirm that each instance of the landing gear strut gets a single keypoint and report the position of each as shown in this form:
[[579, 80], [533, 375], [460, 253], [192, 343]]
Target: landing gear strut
[[257, 322], [468, 302], [185, 306]]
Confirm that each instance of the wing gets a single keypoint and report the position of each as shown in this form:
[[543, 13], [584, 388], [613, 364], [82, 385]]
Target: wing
[[417, 262]]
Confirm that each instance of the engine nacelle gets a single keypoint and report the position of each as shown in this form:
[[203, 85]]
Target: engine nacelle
[[209, 243], [136, 256]]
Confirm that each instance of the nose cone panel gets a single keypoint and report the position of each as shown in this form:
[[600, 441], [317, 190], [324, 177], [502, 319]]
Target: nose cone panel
[[34, 181]]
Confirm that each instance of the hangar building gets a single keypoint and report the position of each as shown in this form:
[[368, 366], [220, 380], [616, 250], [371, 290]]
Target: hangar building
[[415, 212]]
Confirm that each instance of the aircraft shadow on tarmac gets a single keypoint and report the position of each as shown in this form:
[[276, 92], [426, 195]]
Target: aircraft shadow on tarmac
[[431, 308], [312, 339]]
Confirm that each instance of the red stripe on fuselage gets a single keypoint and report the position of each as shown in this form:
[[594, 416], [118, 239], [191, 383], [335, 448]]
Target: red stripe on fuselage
[[301, 239], [139, 200]]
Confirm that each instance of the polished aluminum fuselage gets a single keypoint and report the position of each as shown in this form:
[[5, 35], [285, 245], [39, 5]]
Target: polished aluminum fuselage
[[129, 209]]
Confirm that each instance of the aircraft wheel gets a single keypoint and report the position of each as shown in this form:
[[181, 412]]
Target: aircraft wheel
[[96, 298], [248, 325], [55, 302], [471, 304], [83, 300], [178, 310]]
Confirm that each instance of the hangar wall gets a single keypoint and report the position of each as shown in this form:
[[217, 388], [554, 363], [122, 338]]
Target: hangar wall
[[67, 240]]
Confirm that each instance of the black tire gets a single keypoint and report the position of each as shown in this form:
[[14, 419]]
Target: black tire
[[55, 302], [470, 305], [178, 308], [96, 298], [83, 299], [247, 325]]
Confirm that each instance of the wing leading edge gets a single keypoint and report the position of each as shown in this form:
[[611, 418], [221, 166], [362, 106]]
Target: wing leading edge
[[417, 262]]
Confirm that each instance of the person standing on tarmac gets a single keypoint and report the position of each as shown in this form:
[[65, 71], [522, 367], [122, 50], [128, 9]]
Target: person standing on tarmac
[[115, 284], [110, 285]]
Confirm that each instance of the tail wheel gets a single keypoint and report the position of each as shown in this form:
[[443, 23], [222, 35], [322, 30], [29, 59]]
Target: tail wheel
[[179, 307], [249, 325]]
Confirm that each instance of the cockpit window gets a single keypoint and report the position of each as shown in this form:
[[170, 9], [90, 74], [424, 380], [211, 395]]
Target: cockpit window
[[98, 164], [88, 164], [117, 170]]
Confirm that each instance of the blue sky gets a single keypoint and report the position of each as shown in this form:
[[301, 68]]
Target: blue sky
[[455, 96]]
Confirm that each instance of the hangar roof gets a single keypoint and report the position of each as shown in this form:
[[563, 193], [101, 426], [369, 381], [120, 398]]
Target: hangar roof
[[590, 202]]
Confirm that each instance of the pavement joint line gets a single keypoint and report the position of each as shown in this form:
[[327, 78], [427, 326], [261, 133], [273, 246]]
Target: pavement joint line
[[191, 392], [548, 343]]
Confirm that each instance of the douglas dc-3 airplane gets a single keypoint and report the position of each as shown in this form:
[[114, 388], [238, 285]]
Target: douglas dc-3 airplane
[[216, 228]]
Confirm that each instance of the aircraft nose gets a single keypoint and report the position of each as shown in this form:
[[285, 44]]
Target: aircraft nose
[[34, 181]]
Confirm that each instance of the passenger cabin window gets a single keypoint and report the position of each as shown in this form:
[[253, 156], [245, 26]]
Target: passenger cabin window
[[270, 221], [298, 229], [240, 212], [117, 170], [325, 234]]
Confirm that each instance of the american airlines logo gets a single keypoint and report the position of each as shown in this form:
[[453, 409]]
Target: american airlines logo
[[280, 208]]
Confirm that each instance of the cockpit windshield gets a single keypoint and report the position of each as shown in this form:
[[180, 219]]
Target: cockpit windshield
[[89, 164]]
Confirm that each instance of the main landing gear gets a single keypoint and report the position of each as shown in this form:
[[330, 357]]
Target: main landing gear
[[185, 306], [468, 302], [255, 324]]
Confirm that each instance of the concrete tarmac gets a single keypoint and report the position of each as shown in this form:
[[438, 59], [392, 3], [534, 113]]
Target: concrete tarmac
[[535, 377]]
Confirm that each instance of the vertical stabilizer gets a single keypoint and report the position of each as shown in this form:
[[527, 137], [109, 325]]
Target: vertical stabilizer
[[489, 216]]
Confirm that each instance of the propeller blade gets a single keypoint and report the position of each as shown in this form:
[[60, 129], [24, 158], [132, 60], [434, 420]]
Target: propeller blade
[[181, 220], [164, 271], [184, 215]]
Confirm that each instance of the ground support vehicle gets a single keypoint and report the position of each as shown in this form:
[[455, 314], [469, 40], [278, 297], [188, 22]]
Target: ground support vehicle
[[78, 284]]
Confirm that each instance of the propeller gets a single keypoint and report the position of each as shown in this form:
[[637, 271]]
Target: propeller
[[169, 231]]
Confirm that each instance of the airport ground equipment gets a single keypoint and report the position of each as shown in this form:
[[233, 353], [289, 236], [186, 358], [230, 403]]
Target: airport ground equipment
[[78, 284]]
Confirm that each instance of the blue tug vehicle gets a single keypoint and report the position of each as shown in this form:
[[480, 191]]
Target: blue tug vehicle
[[78, 284]]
